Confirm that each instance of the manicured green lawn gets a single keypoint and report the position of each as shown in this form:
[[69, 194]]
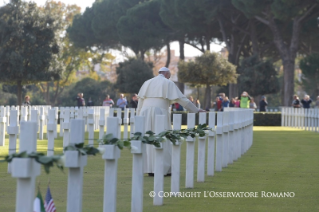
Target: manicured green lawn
[[280, 160]]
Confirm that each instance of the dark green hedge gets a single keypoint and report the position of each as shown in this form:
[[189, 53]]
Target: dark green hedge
[[267, 119]]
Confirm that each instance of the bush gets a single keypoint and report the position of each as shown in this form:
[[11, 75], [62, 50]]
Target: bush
[[267, 119]]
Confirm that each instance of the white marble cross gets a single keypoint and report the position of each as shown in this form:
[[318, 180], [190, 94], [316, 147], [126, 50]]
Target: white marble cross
[[102, 122], [231, 136], [26, 169], [211, 145], [190, 153], [126, 122], [119, 116], [56, 109], [219, 142], [3, 120], [132, 115], [138, 151], [13, 130], [201, 152], [50, 132], [90, 125], [61, 121], [111, 155], [41, 120], [225, 138], [176, 156], [66, 127], [159, 162], [75, 162]]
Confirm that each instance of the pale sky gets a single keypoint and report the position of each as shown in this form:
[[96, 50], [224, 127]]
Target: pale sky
[[189, 51]]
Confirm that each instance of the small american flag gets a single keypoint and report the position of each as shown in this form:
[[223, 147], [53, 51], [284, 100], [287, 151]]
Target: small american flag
[[48, 203]]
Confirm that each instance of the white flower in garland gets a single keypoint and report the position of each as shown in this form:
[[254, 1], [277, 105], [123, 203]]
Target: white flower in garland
[[206, 131], [61, 161], [134, 148], [101, 150]]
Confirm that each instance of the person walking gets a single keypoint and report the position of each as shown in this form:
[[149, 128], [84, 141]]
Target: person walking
[[155, 97]]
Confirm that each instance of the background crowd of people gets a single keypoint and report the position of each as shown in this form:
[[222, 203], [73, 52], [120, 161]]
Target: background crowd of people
[[221, 101]]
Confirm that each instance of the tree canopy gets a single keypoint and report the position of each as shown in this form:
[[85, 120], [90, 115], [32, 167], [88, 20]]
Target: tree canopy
[[207, 70], [27, 45], [310, 74], [132, 74], [257, 77]]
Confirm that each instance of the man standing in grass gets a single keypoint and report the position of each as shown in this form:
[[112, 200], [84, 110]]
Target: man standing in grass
[[155, 97]]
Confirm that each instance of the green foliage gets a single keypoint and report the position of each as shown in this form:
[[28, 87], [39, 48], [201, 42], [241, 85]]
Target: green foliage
[[90, 88], [81, 33], [105, 32], [83, 150], [27, 45], [257, 77], [142, 28], [208, 69], [108, 139], [46, 161], [132, 74], [310, 74]]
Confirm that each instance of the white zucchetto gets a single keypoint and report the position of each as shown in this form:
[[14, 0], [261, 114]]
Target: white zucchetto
[[163, 69]]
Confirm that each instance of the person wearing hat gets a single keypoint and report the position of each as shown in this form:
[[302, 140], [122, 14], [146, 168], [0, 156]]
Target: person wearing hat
[[154, 98], [263, 104]]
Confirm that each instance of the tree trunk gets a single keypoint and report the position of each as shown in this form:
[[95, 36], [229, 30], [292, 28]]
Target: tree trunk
[[207, 97], [289, 76], [207, 44], [142, 55], [57, 92], [19, 92], [180, 85], [168, 59], [253, 37], [47, 95], [181, 50], [287, 49]]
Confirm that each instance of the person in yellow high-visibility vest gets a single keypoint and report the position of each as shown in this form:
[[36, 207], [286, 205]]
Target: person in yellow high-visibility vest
[[244, 100]]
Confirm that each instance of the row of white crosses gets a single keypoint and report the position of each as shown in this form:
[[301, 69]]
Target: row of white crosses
[[301, 118], [233, 138], [7, 114]]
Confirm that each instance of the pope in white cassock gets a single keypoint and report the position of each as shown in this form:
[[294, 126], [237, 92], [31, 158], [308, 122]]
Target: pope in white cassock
[[155, 97]]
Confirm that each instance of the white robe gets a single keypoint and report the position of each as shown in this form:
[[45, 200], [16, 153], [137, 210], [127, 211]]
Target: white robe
[[155, 97]]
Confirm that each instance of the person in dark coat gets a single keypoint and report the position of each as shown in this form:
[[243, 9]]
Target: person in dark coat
[[263, 104], [134, 101], [90, 102]]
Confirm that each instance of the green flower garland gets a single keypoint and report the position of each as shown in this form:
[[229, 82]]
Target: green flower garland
[[149, 138]]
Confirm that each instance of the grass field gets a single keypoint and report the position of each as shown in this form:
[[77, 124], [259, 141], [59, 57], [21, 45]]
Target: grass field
[[280, 160]]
